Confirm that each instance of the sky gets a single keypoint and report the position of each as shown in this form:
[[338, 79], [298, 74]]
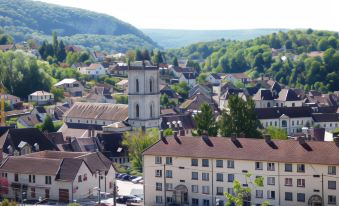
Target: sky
[[217, 14]]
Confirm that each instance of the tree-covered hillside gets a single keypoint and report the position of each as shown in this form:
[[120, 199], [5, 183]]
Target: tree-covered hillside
[[26, 19], [299, 58]]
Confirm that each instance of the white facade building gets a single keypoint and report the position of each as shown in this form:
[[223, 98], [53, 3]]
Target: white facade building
[[73, 86], [41, 97], [197, 171]]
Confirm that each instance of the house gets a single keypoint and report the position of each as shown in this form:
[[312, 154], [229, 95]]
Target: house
[[41, 97], [118, 69], [199, 88], [238, 77], [93, 70], [186, 170], [183, 123], [189, 78], [100, 95], [223, 99], [194, 103], [263, 99], [123, 85], [98, 56], [24, 141], [7, 47], [328, 121], [291, 119], [11, 100], [72, 86], [96, 114], [288, 98], [177, 71], [56, 175], [214, 79]]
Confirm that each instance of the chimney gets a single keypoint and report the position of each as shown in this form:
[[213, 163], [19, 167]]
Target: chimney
[[234, 137], [304, 144], [175, 134], [69, 140], [10, 150], [205, 137], [268, 138], [182, 132]]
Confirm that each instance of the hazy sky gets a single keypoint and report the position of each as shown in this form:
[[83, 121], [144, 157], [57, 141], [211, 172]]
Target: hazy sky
[[217, 14]]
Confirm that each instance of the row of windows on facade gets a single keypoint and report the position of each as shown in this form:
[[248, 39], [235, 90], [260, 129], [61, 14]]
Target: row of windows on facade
[[137, 110], [230, 164], [42, 97], [151, 86], [259, 194], [48, 179], [230, 178], [284, 123], [87, 121]]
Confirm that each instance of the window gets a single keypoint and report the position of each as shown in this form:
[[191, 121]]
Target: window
[[288, 167], [158, 186], [137, 85], [219, 163], [168, 160], [79, 178], [288, 196], [284, 123], [32, 192], [230, 177], [205, 162], [259, 193], [206, 189], [16, 177], [169, 186], [300, 182], [220, 177], [195, 202], [292, 123], [48, 180], [301, 197], [137, 111], [158, 160], [194, 175], [151, 111], [300, 168], [194, 162], [220, 191], [258, 165], [332, 185], [4, 174], [158, 199], [169, 174], [270, 180], [31, 178], [206, 202], [270, 166], [332, 170], [195, 188], [230, 163], [158, 173], [47, 193], [288, 181], [169, 199], [332, 200], [230, 191], [270, 194], [150, 85], [205, 176]]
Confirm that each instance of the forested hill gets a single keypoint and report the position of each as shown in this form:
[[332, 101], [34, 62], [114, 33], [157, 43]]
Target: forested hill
[[25, 19], [307, 59]]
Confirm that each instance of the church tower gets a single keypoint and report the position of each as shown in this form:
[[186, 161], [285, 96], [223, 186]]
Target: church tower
[[143, 95]]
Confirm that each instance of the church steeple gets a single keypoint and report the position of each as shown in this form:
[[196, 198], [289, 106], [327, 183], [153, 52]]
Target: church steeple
[[143, 95]]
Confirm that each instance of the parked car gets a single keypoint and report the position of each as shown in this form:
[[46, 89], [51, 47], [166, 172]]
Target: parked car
[[134, 200], [126, 177], [136, 180], [131, 178], [124, 198]]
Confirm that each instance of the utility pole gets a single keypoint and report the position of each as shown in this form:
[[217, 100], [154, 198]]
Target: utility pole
[[165, 198], [114, 194]]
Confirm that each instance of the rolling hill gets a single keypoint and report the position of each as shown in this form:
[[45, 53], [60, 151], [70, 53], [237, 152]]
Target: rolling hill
[[168, 38], [26, 19]]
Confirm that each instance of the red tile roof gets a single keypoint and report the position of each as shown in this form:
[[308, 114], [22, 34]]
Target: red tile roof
[[250, 149]]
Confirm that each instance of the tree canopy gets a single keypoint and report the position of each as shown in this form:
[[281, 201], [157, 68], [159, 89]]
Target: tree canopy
[[205, 121]]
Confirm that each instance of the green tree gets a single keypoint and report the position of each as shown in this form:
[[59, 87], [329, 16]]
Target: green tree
[[6, 39], [145, 55], [175, 62], [6, 202], [239, 118], [136, 142], [323, 44], [201, 79], [242, 194], [61, 55], [277, 133], [58, 94], [205, 121], [48, 125], [138, 55], [55, 43], [181, 88]]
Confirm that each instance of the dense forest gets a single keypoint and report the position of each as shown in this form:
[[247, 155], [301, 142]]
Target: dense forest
[[285, 56], [26, 19]]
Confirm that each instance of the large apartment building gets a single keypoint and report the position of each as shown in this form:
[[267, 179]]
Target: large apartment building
[[197, 171]]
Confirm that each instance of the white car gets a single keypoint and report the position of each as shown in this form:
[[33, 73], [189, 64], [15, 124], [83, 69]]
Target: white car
[[136, 180]]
